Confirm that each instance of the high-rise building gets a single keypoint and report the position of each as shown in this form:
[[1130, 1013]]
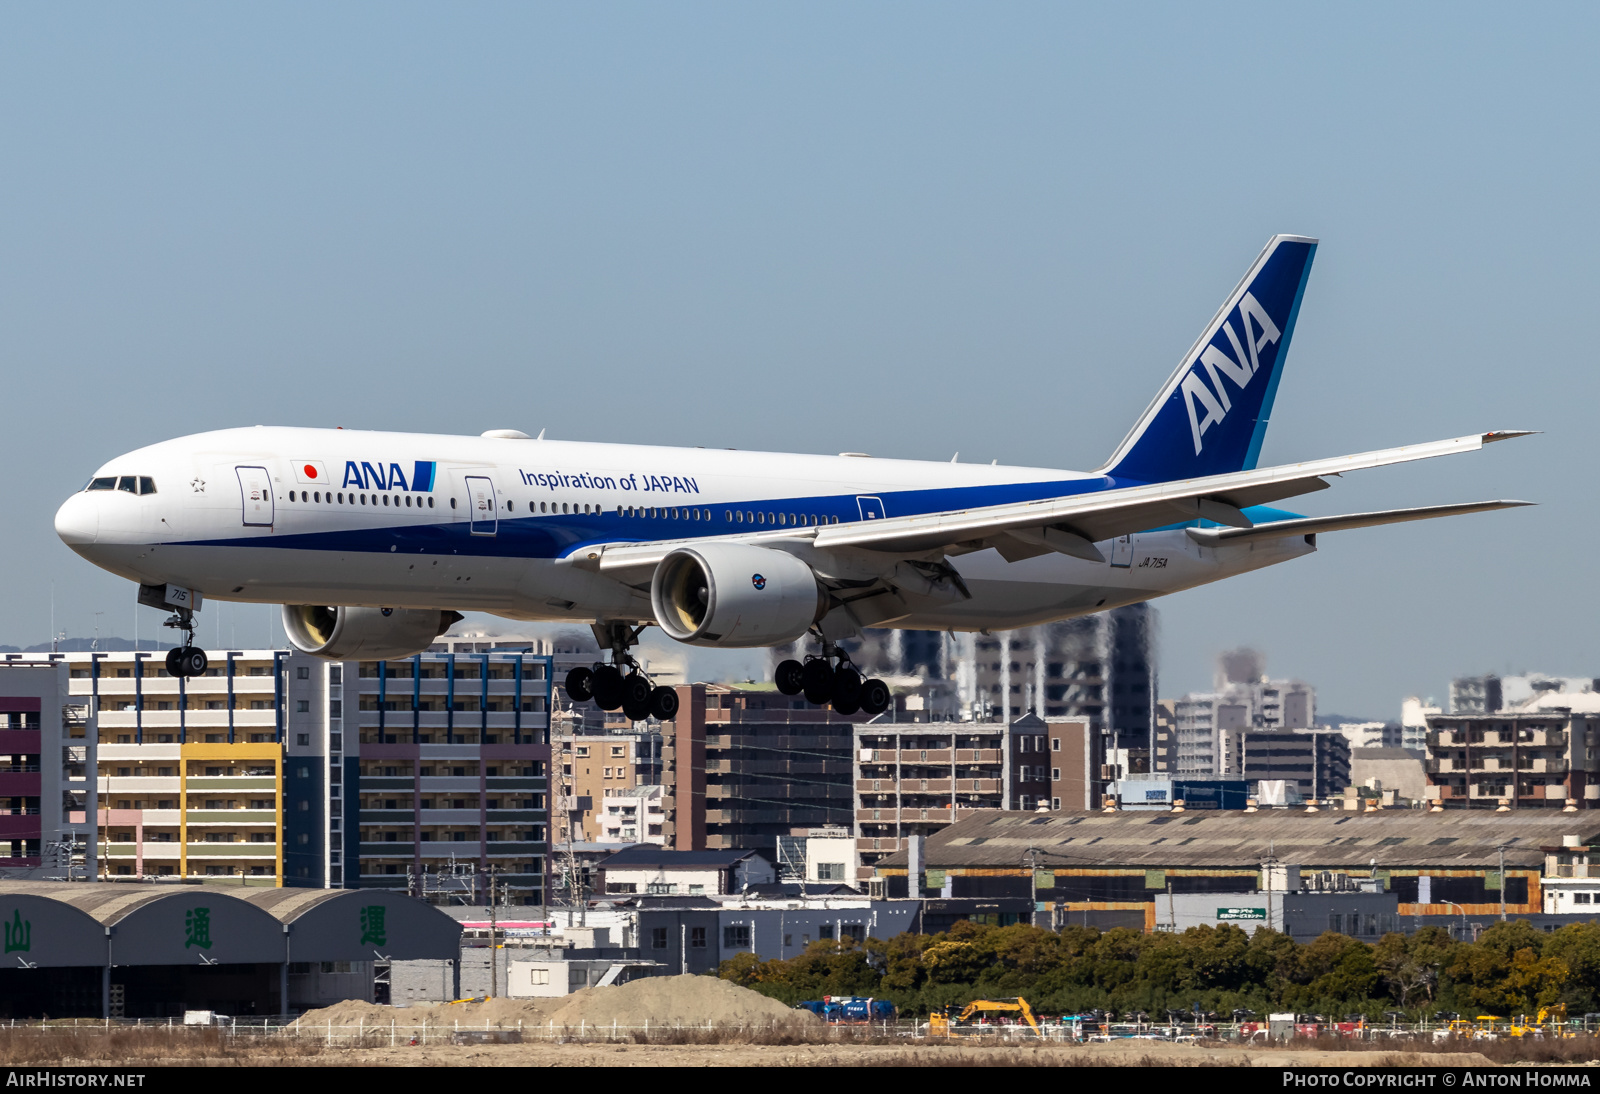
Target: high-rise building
[[1209, 727], [1100, 668]]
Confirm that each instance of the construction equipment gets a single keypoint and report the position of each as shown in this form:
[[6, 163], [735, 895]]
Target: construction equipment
[[942, 1021]]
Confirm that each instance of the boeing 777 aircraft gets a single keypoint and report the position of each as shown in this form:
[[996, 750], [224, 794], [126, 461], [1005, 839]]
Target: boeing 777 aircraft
[[373, 542]]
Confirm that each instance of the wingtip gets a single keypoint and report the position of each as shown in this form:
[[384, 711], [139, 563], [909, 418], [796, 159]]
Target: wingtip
[[1507, 434]]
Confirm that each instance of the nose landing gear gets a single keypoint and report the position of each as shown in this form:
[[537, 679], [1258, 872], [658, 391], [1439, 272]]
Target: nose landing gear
[[612, 690], [825, 683], [187, 659]]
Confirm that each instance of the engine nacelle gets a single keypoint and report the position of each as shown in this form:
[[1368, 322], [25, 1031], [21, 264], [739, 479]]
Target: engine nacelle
[[735, 594], [345, 634]]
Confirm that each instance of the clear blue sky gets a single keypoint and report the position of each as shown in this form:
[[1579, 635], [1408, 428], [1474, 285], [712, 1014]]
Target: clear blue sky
[[904, 229]]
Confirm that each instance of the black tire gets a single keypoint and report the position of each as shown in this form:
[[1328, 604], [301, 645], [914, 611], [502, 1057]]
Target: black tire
[[875, 697], [194, 661], [790, 677], [636, 703], [846, 690], [174, 657], [578, 689], [606, 684], [817, 681], [636, 693], [664, 704]]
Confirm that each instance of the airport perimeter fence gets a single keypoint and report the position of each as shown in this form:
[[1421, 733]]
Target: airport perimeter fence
[[399, 1031]]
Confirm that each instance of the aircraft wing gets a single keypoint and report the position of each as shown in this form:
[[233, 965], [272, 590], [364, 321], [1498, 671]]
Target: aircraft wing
[[1211, 537], [1074, 523]]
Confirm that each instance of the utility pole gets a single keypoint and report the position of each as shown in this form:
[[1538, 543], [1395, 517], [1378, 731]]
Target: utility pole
[[1502, 850], [1031, 857], [494, 953]]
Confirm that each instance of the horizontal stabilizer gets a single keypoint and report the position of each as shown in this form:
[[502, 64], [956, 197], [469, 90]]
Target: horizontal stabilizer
[[1211, 537]]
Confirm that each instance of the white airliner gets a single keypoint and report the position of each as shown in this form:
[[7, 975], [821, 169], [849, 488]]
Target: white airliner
[[374, 541]]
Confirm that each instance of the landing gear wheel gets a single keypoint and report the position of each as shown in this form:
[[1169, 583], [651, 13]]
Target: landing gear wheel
[[817, 681], [875, 697], [790, 677], [607, 686], [578, 685], [636, 696], [174, 659], [846, 690], [664, 704], [194, 661]]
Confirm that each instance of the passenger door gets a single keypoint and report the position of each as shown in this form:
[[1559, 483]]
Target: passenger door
[[871, 508], [482, 508], [255, 494], [1122, 551]]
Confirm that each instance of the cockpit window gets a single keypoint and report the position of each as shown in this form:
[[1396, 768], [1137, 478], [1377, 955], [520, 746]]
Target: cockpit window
[[133, 484]]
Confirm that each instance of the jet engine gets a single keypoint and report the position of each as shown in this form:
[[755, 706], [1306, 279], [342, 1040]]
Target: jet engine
[[342, 634], [735, 594]]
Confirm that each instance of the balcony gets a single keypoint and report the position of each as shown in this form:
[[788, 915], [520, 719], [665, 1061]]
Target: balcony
[[451, 816], [517, 816], [230, 784], [374, 783], [446, 784], [137, 784], [924, 755], [386, 816], [109, 752], [233, 850], [461, 849], [978, 755], [232, 816]]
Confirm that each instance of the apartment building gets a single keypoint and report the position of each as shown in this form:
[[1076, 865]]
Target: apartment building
[[188, 772], [450, 772], [634, 814], [40, 733], [914, 779], [1545, 758], [281, 769], [595, 766]]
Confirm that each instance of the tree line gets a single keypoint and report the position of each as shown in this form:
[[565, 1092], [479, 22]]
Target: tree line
[[1510, 969]]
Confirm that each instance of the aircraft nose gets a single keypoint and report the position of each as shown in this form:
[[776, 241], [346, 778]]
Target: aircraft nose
[[78, 521]]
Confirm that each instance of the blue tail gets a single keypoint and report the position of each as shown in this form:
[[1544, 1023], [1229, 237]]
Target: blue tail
[[1211, 415]]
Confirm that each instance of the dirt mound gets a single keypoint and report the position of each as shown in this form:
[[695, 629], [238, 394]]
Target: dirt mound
[[658, 1001], [350, 1012], [668, 1000]]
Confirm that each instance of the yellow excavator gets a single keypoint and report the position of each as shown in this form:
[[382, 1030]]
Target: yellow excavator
[[941, 1021]]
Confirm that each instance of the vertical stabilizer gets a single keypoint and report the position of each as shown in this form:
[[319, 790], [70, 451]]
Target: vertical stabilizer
[[1211, 415]]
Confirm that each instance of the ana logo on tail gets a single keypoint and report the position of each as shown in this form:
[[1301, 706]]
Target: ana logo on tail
[[1239, 368]]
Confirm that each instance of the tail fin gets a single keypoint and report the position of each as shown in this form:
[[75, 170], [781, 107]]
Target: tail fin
[[1211, 415]]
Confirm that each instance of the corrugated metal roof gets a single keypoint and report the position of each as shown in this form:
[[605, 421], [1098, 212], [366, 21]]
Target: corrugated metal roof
[[1198, 840]]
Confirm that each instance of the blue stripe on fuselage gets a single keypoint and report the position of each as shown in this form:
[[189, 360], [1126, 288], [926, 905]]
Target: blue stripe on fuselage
[[554, 535]]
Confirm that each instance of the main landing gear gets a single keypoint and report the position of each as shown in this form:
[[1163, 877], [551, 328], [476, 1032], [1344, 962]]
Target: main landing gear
[[822, 682], [187, 659], [610, 689]]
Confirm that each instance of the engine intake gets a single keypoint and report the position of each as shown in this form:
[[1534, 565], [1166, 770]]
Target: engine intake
[[342, 634], [735, 595]]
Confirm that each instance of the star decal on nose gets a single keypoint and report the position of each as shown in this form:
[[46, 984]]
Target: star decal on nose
[[198, 485]]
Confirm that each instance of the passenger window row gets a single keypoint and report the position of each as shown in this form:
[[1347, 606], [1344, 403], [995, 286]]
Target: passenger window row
[[317, 497], [133, 484]]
